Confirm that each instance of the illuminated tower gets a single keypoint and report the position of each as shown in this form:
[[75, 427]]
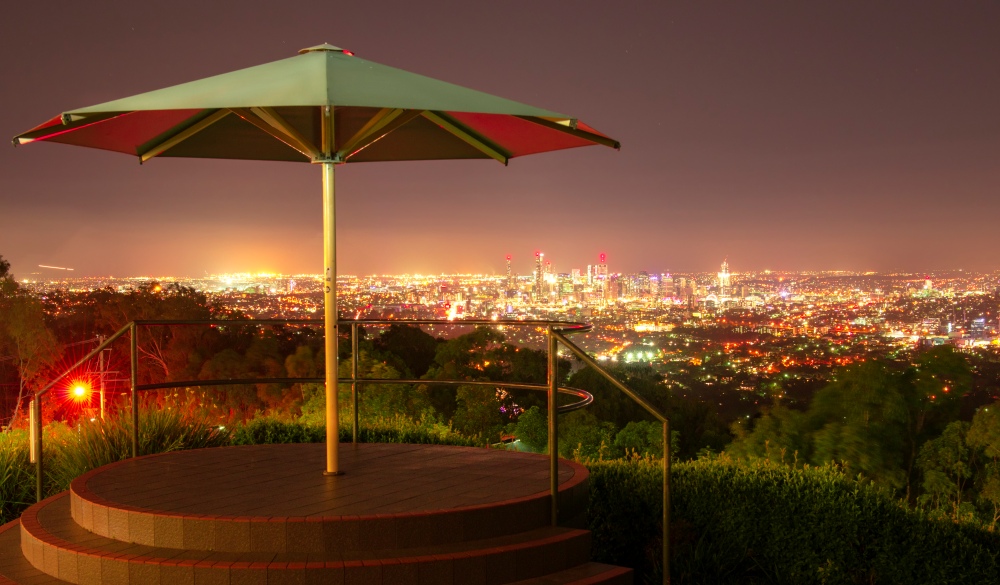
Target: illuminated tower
[[539, 260], [510, 275], [601, 276], [724, 284]]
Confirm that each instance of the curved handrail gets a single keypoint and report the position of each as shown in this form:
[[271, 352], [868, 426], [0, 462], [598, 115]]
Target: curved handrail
[[132, 327], [586, 398]]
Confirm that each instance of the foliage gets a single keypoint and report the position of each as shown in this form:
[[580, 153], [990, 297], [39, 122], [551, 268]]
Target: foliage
[[532, 429], [26, 338], [412, 345], [697, 425], [17, 477], [267, 430], [947, 465], [736, 521], [873, 417], [582, 436], [99, 442]]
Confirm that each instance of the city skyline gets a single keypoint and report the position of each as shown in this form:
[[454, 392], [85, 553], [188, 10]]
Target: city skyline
[[854, 137]]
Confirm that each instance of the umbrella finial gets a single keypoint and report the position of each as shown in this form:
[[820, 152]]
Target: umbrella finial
[[323, 47]]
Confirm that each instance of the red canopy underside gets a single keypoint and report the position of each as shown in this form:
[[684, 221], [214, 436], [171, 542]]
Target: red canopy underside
[[234, 138]]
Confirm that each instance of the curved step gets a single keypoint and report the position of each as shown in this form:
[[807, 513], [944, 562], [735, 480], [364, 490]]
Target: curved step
[[168, 500], [14, 567], [54, 544], [585, 574]]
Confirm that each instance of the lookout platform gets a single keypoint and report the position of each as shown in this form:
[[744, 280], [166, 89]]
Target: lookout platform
[[265, 514]]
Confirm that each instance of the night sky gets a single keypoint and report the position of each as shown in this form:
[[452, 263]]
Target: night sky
[[784, 135]]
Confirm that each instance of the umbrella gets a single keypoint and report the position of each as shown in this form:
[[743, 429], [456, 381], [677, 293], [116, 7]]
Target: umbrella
[[323, 106]]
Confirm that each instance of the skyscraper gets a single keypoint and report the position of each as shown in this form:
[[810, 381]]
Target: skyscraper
[[602, 268], [539, 275], [724, 284], [510, 275]]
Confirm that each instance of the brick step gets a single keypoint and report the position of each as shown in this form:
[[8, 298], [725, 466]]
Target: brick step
[[14, 568], [53, 543], [585, 574], [164, 500]]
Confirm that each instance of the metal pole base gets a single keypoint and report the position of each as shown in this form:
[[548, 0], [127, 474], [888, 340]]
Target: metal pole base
[[332, 473]]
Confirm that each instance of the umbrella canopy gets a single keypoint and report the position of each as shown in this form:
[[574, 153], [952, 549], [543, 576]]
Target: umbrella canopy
[[275, 112], [323, 106]]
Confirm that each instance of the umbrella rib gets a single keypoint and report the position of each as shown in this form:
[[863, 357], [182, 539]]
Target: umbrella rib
[[573, 131], [467, 135], [378, 127], [251, 117], [52, 131], [273, 118], [175, 139]]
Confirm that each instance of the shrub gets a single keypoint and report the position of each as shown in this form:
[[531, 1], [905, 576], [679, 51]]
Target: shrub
[[268, 430], [401, 429], [17, 477], [99, 442], [756, 521]]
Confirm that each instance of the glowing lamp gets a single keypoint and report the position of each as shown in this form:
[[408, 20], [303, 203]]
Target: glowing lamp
[[80, 391]]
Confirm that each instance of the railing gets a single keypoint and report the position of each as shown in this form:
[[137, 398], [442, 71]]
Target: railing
[[556, 332], [556, 335]]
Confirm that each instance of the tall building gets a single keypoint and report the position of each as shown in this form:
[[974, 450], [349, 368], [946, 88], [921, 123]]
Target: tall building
[[510, 275], [724, 284], [642, 284], [602, 268], [539, 275]]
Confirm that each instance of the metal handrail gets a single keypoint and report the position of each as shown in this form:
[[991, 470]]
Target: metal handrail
[[354, 380], [556, 332], [556, 336]]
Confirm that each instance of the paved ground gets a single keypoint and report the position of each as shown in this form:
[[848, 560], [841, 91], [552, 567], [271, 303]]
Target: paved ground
[[287, 480]]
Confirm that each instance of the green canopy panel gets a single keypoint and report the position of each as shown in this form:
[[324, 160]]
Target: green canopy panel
[[275, 111]]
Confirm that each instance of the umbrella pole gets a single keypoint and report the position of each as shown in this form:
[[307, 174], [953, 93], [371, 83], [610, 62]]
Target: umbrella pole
[[330, 319]]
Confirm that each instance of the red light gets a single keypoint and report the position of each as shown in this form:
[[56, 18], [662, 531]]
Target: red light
[[348, 53], [508, 256], [80, 391], [602, 258]]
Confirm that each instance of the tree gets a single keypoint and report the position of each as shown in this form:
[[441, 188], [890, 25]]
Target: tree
[[483, 355], [582, 435], [24, 337], [984, 434], [947, 466], [415, 347], [381, 401], [479, 412], [860, 420], [532, 429], [641, 438], [780, 434], [932, 390]]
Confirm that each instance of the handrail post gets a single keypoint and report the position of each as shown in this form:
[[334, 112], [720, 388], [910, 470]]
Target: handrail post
[[36, 429], [135, 390], [553, 427], [666, 501], [354, 379]]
